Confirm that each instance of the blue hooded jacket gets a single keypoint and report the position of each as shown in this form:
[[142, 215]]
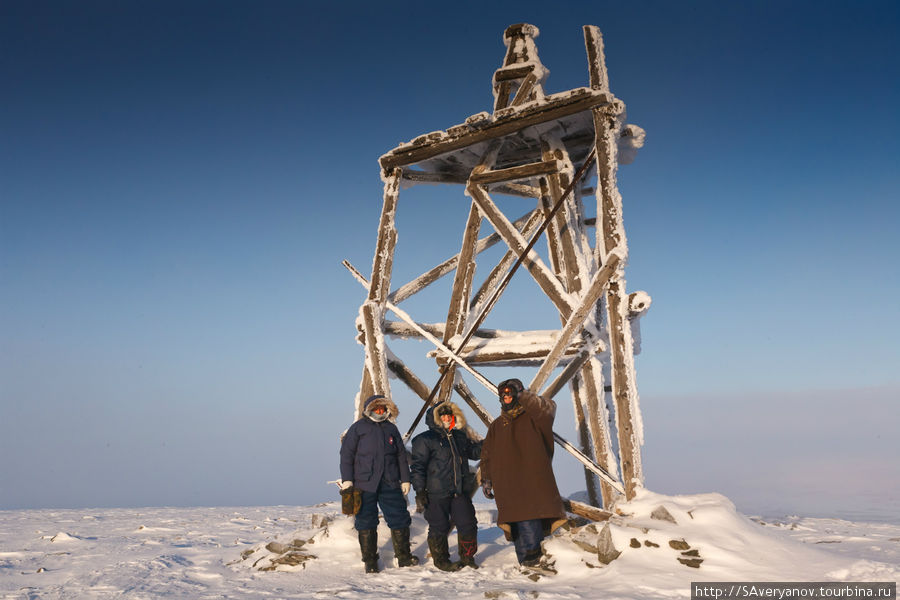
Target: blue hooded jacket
[[372, 452], [440, 458]]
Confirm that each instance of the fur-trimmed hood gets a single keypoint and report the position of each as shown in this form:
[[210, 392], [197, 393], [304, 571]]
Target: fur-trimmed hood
[[434, 421], [392, 410]]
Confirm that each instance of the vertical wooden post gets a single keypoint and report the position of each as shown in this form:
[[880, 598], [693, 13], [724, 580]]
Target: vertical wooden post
[[459, 297], [564, 264], [611, 234], [567, 235], [375, 378]]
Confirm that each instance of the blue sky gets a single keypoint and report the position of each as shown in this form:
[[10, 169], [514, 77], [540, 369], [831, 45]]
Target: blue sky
[[179, 182]]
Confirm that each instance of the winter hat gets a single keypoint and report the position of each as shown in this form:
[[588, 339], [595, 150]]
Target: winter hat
[[376, 400], [446, 409], [510, 387]]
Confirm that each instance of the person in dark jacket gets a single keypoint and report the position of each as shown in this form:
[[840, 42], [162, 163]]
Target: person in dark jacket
[[517, 469], [444, 484], [374, 461]]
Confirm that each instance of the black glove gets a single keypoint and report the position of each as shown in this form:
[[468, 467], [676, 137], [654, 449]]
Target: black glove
[[421, 501], [487, 489]]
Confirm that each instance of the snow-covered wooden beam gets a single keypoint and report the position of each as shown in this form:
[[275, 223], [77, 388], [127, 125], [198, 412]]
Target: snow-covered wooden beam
[[593, 42], [567, 374], [375, 379], [462, 287], [509, 189], [586, 510], [611, 234], [549, 109], [447, 352], [573, 261], [528, 171], [575, 322], [512, 358]]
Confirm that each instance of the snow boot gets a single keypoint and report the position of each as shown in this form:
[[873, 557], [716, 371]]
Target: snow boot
[[400, 537], [368, 545], [468, 546], [440, 553]]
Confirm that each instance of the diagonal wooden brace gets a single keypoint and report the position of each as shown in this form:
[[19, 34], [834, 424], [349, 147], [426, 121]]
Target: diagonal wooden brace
[[575, 322], [424, 333], [544, 277]]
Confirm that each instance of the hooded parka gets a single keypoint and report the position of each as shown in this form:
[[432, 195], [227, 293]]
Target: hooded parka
[[517, 458], [372, 452], [440, 457]]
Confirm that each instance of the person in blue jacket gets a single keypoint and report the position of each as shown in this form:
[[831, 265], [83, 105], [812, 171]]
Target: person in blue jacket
[[374, 461], [444, 483]]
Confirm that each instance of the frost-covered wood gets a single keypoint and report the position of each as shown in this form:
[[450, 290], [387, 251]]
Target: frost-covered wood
[[459, 296], [612, 230], [375, 379], [552, 109], [593, 42], [542, 275], [546, 148], [515, 173], [575, 322]]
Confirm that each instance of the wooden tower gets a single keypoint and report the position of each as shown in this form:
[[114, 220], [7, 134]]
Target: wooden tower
[[547, 148]]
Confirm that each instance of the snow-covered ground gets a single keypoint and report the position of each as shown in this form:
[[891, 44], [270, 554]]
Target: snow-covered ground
[[265, 552]]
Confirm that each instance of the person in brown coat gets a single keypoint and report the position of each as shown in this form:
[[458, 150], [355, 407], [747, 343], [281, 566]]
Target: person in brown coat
[[517, 470]]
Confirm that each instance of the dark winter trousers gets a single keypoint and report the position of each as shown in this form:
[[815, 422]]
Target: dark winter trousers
[[527, 536], [440, 511], [393, 505]]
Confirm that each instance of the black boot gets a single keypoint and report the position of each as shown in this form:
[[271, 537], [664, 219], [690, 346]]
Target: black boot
[[368, 545], [400, 537], [440, 553], [468, 546]]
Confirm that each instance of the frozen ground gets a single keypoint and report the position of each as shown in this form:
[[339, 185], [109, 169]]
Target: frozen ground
[[219, 553]]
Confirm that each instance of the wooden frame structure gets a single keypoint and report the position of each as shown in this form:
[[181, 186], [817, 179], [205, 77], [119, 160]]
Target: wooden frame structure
[[528, 147]]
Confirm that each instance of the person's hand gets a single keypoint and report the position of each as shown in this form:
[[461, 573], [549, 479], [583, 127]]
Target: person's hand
[[346, 485], [421, 501], [487, 489], [404, 487]]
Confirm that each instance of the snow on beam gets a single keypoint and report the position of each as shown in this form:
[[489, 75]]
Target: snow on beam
[[568, 373], [611, 234], [462, 283], [549, 109], [511, 189], [437, 343], [576, 320], [375, 378], [593, 42], [528, 171]]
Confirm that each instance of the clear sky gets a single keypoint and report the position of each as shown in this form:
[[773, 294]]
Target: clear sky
[[179, 182]]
